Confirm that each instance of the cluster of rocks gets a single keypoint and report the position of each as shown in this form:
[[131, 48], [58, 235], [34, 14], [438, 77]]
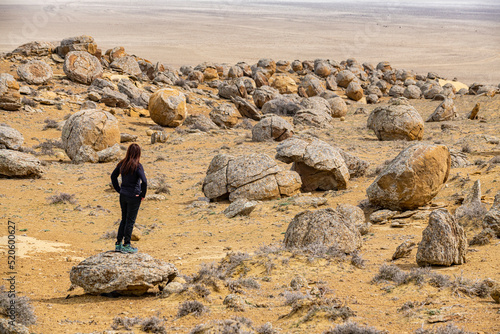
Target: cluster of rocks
[[13, 162]]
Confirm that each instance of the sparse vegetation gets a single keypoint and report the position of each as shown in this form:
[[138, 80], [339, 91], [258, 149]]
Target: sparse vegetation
[[357, 260], [482, 238], [62, 198], [50, 124], [25, 313], [47, 147], [448, 329], [353, 328], [125, 323], [193, 307]]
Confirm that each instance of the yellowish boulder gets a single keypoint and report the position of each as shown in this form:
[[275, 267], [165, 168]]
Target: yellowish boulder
[[167, 107]]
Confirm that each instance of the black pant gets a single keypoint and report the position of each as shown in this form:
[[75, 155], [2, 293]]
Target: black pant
[[130, 207]]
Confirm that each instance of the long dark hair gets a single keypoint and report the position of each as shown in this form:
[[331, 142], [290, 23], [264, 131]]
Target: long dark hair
[[131, 161]]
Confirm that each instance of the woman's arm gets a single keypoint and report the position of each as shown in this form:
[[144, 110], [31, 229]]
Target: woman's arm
[[144, 181], [114, 179]]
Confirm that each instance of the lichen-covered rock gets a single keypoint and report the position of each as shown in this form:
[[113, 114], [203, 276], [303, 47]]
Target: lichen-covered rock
[[283, 106], [325, 227], [398, 121], [289, 182], [492, 218], [19, 164], [109, 154], [312, 85], [35, 72], [412, 92], [167, 107], [344, 78], [338, 107], [443, 241], [444, 112], [272, 127], [403, 250], [112, 98], [136, 96], [85, 154], [264, 94], [127, 65], [354, 91], [472, 210], [35, 48], [240, 207], [246, 108], [357, 167], [225, 115], [253, 177], [10, 98], [284, 84], [82, 67], [313, 117], [319, 165], [95, 128], [130, 274], [82, 43], [412, 179], [10, 137]]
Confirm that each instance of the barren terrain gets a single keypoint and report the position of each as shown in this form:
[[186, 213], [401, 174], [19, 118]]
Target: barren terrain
[[187, 231]]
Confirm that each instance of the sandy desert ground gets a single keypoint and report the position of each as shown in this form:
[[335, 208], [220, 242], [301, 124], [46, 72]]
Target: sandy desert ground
[[188, 232]]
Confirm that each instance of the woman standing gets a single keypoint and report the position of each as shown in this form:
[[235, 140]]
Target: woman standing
[[132, 192]]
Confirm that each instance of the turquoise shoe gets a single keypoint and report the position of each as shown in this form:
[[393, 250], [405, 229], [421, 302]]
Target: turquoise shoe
[[118, 247], [128, 249]]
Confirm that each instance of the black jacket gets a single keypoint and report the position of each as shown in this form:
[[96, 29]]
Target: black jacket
[[133, 184]]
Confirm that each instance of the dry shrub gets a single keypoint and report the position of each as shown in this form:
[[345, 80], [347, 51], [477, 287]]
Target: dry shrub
[[25, 313], [62, 198], [353, 328], [125, 323], [193, 307], [153, 325], [482, 238], [448, 329]]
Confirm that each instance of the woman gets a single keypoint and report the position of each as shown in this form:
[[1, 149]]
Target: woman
[[132, 192]]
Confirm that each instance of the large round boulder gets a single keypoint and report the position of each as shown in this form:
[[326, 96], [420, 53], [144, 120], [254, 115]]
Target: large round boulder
[[325, 227], [94, 128], [167, 107], [127, 65], [82, 67], [35, 72], [398, 121], [412, 179], [313, 117]]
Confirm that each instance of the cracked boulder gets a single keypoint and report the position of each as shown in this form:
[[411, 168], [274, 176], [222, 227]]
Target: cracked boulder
[[412, 179], [82, 67], [253, 177], [35, 72], [397, 121], [446, 111], [10, 98], [94, 128], [323, 228], [443, 241], [272, 127], [319, 165], [127, 274]]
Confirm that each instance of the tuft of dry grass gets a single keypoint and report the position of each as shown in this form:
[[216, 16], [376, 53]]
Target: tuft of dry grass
[[193, 307], [62, 198]]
